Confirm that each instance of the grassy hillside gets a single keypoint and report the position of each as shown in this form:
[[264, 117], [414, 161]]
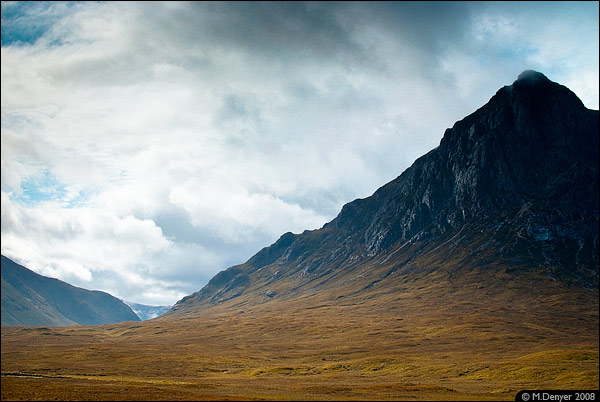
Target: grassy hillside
[[32, 299], [482, 335]]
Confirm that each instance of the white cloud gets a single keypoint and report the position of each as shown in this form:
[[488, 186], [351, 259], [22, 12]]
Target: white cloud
[[559, 39], [585, 84], [88, 247], [181, 138], [236, 215]]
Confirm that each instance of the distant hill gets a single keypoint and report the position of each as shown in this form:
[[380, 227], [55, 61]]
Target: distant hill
[[35, 300], [146, 312]]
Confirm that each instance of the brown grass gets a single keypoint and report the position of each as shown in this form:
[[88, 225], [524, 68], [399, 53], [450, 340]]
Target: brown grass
[[430, 340]]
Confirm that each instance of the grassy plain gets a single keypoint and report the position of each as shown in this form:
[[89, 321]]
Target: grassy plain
[[432, 339]]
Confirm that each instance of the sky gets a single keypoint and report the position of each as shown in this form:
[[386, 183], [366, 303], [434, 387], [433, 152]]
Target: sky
[[146, 146]]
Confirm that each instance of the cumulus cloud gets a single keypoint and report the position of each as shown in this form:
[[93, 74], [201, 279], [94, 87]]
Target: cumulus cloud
[[145, 147]]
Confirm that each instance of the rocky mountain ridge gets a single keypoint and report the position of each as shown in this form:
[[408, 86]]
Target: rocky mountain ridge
[[514, 184]]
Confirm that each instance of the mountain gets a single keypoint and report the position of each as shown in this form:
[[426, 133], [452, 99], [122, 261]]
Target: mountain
[[471, 276], [35, 300], [512, 189], [146, 312]]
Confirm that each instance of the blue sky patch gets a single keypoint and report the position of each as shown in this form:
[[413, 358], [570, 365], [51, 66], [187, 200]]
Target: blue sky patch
[[24, 22], [40, 188], [45, 187]]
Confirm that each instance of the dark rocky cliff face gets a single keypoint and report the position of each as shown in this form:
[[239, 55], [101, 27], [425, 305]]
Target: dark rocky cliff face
[[523, 169], [533, 147]]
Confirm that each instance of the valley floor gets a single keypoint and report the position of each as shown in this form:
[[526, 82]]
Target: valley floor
[[466, 342]]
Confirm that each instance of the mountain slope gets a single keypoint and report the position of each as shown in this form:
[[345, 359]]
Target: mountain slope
[[512, 187], [35, 300]]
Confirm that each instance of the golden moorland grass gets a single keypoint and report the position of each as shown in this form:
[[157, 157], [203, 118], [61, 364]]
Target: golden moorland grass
[[434, 341]]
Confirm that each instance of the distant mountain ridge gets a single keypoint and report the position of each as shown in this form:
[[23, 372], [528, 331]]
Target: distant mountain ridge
[[513, 187], [147, 312], [35, 300]]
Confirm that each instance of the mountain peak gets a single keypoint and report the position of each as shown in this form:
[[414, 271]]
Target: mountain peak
[[536, 92], [513, 185], [531, 78]]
